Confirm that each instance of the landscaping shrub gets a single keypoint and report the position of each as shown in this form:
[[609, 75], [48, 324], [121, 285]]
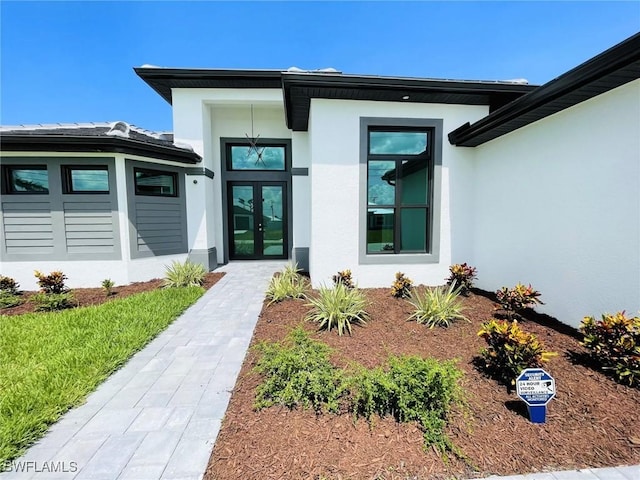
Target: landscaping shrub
[[48, 302], [401, 287], [287, 284], [510, 350], [8, 285], [614, 343], [338, 308], [187, 274], [298, 373], [462, 276], [437, 306], [514, 300], [343, 278], [9, 299], [410, 389], [107, 286], [52, 283]]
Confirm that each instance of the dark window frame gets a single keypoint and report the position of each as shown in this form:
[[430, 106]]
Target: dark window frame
[[155, 171], [229, 158], [67, 182], [7, 184], [398, 206]]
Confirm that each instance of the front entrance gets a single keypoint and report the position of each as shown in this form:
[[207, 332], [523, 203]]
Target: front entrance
[[257, 220]]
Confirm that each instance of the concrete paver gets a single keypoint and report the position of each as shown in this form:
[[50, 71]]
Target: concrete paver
[[158, 417]]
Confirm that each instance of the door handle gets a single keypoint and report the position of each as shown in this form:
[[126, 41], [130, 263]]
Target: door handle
[[260, 227]]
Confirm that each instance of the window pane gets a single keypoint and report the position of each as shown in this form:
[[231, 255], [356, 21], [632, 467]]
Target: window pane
[[413, 229], [246, 158], [28, 180], [397, 143], [414, 182], [381, 184], [153, 182], [272, 224], [86, 180], [243, 220], [380, 230]]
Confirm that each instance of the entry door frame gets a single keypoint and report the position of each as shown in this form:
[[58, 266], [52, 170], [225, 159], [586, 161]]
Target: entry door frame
[[228, 176]]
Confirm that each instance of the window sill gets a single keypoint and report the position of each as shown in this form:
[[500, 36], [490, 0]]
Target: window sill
[[398, 259]]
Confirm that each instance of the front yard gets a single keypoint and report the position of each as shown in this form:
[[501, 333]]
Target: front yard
[[592, 422]]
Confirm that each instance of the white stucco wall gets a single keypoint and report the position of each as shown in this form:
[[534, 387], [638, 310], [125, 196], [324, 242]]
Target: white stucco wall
[[557, 205], [301, 188], [334, 135]]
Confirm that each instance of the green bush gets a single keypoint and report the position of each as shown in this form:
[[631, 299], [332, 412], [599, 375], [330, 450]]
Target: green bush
[[187, 274], [343, 278], [8, 285], [287, 284], [614, 343], [401, 287], [510, 350], [410, 389], [462, 276], [48, 302], [107, 286], [437, 307], [52, 283], [298, 373], [514, 300], [9, 299], [338, 308]]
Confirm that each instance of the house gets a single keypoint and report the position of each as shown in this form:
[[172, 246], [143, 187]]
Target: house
[[538, 184]]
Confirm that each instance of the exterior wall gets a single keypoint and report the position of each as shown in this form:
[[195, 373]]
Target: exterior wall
[[88, 269], [336, 185], [557, 205], [301, 189]]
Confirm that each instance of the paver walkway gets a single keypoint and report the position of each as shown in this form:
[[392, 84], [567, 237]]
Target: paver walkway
[[158, 417]]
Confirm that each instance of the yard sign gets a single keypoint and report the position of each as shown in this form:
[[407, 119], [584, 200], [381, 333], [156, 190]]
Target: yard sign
[[536, 388]]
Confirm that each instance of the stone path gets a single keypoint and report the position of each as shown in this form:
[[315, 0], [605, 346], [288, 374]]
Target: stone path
[[158, 417]]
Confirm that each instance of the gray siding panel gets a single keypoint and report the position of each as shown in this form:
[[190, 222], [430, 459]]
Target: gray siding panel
[[26, 226]]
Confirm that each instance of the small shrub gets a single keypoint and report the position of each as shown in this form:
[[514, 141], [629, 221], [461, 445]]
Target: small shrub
[[437, 307], [614, 343], [9, 299], [287, 284], [107, 286], [514, 300], [401, 287], [47, 302], [510, 350], [8, 285], [187, 274], [410, 389], [344, 278], [52, 283], [298, 373], [462, 276], [338, 308]]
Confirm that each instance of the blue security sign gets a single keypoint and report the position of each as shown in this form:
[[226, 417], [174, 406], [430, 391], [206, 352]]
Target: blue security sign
[[535, 387]]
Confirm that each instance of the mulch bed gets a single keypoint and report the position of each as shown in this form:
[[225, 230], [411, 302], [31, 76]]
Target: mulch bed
[[592, 422], [95, 296]]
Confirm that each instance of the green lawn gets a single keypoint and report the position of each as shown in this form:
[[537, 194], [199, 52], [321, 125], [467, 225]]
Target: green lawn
[[50, 362]]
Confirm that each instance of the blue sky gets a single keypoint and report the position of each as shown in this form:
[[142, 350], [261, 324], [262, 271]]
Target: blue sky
[[72, 61]]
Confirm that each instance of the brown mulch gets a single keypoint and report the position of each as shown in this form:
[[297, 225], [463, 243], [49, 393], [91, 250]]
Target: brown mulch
[[84, 297], [592, 422]]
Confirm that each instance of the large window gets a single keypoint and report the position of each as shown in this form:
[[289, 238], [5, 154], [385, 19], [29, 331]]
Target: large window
[[85, 179], [155, 182], [26, 180], [399, 179], [260, 157]]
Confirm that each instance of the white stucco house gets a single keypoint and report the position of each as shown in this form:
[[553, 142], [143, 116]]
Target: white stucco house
[[537, 184]]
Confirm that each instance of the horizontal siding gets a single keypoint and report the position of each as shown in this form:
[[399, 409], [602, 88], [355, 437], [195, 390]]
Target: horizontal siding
[[27, 227], [89, 227], [160, 225]]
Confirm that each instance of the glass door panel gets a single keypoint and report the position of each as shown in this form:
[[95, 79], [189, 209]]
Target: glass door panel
[[273, 222], [243, 221]]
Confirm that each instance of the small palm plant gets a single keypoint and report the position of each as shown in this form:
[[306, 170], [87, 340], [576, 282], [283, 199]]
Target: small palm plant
[[286, 284], [437, 307], [187, 274], [338, 308]]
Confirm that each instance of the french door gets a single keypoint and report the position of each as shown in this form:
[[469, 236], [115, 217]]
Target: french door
[[257, 220]]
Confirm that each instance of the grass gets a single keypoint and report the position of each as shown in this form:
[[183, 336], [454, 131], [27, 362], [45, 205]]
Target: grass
[[50, 362]]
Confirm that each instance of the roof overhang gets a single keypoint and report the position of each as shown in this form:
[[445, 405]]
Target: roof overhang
[[300, 88], [11, 142], [612, 68]]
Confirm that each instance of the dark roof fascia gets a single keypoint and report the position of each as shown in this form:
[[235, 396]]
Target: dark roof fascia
[[162, 80], [339, 86], [69, 143], [612, 68]]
